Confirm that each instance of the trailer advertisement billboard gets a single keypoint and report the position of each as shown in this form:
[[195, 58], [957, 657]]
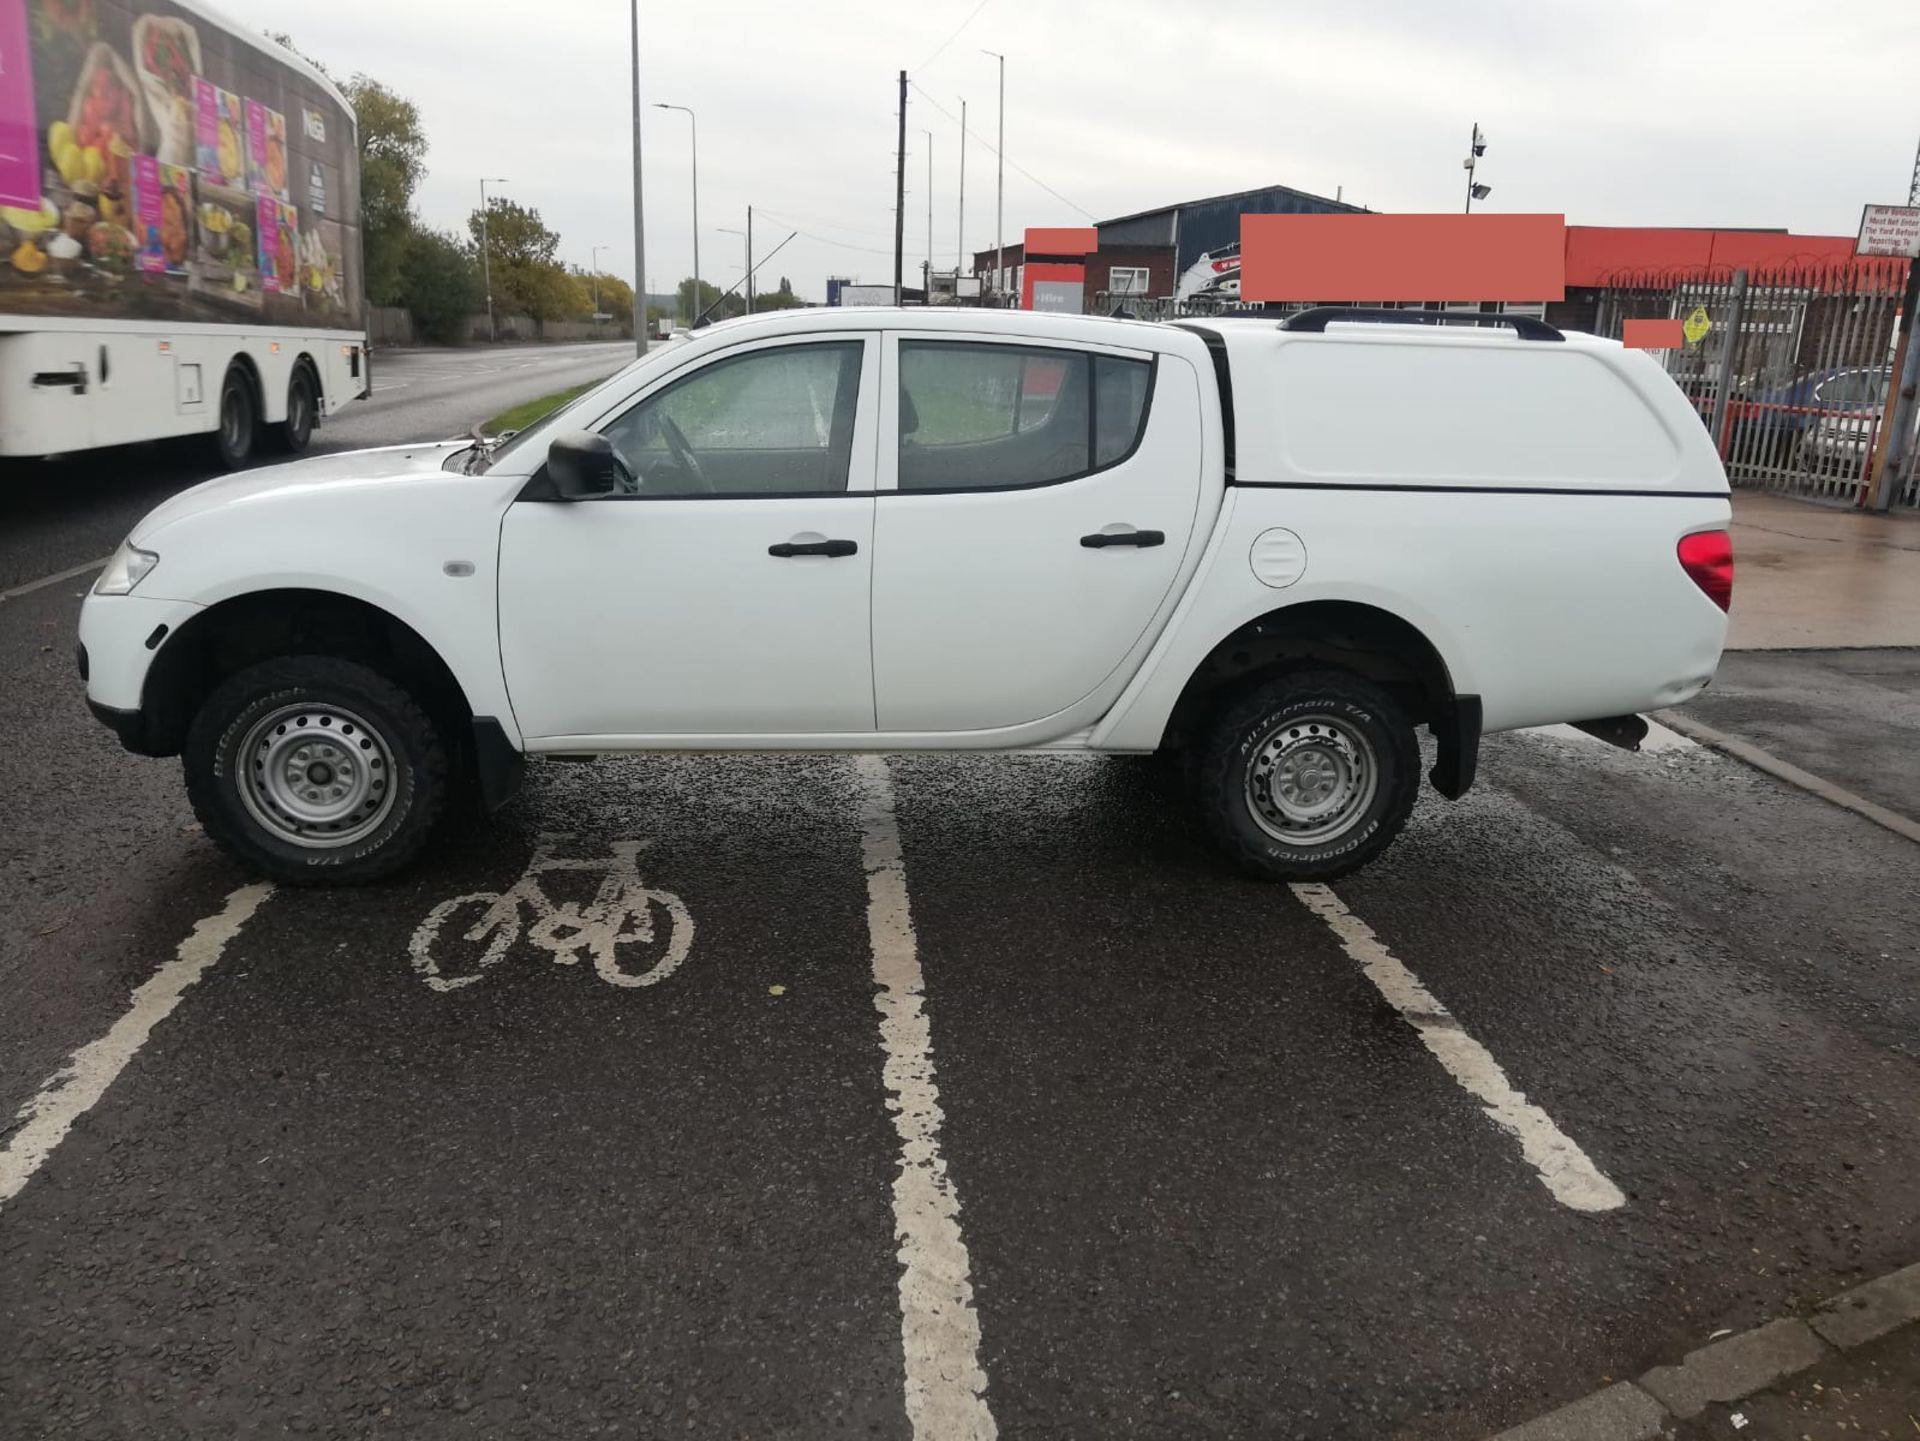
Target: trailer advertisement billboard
[[148, 166]]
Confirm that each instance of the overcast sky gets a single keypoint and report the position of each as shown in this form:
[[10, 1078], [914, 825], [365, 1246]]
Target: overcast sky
[[1613, 112]]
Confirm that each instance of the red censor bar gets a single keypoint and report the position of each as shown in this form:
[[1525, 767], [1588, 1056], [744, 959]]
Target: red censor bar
[[1403, 257], [1653, 335]]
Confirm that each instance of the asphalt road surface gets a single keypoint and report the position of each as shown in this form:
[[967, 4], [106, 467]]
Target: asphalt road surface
[[1619, 1051]]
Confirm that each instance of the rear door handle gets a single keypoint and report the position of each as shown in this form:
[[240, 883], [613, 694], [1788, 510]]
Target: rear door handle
[[831, 548], [1100, 539]]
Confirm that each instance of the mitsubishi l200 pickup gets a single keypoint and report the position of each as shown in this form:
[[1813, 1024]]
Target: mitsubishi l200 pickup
[[1281, 547]]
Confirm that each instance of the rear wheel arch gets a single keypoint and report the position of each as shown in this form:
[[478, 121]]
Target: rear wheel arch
[[1351, 636], [244, 630]]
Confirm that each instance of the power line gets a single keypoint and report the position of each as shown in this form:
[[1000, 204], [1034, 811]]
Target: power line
[[953, 37], [789, 219], [1011, 164], [822, 240]]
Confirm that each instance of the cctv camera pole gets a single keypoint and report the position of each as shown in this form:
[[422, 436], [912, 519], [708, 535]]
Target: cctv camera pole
[[1476, 147], [900, 194]]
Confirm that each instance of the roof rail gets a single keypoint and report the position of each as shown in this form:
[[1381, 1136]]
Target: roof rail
[[1316, 320]]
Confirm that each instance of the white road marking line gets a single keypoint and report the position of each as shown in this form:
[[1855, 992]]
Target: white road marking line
[[938, 1324], [1659, 738], [1564, 1168], [59, 575], [1793, 775], [71, 1092]]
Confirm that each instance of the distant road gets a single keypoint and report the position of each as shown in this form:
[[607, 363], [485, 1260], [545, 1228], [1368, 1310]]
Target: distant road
[[57, 514]]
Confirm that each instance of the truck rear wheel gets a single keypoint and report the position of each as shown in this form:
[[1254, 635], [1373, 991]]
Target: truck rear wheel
[[303, 409], [1309, 777], [315, 770], [234, 436]]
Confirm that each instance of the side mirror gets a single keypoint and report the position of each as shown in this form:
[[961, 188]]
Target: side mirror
[[581, 465]]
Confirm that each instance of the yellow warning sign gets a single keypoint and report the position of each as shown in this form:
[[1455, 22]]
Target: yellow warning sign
[[1696, 325]]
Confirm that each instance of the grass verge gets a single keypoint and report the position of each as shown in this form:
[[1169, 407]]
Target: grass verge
[[523, 415]]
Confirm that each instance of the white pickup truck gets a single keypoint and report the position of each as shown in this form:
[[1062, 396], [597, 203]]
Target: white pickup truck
[[1279, 547]]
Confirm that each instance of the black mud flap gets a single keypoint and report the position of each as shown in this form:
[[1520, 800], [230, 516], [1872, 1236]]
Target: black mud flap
[[1457, 729], [499, 765]]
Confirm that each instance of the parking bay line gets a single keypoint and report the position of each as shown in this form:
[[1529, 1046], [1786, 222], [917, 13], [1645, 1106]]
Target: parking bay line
[[59, 575], [72, 1091], [1563, 1167], [939, 1328]]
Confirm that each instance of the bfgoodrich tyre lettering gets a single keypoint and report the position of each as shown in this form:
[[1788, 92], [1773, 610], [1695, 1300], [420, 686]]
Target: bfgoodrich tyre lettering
[[1309, 777]]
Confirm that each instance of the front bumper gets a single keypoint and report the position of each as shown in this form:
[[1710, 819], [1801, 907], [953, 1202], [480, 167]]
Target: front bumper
[[129, 726], [120, 635]]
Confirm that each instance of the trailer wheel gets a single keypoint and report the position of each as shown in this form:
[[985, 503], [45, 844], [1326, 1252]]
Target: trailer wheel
[[303, 408], [234, 436]]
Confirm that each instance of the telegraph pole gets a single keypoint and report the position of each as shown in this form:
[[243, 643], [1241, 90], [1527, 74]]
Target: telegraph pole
[[960, 241], [1000, 181], [900, 193], [749, 260]]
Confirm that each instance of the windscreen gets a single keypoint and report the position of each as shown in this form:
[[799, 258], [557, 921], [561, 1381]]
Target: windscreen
[[154, 166]]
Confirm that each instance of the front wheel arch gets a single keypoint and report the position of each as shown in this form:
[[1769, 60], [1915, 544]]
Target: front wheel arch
[[244, 630]]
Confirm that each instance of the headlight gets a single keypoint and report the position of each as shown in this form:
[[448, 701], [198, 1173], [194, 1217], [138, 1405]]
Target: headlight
[[127, 569]]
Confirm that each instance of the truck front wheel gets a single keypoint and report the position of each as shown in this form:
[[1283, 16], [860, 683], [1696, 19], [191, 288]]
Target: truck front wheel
[[1309, 777], [315, 770], [233, 437]]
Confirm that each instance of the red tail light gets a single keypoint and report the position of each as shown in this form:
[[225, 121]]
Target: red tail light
[[1707, 557]]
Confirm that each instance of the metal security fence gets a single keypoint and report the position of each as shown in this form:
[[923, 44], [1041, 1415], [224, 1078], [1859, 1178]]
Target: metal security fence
[[1790, 370]]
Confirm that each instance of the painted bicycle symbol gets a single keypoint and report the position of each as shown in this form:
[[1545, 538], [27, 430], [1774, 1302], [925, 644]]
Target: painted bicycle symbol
[[625, 923]]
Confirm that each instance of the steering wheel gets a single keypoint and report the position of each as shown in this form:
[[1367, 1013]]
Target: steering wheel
[[682, 452], [626, 480]]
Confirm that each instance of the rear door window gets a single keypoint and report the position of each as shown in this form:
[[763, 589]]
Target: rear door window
[[977, 416]]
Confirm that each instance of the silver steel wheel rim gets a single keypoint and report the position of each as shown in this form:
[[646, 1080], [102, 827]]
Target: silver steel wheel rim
[[316, 776], [1310, 779]]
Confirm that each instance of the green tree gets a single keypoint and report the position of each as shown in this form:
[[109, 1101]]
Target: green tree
[[393, 159], [520, 253], [687, 311], [781, 299], [441, 282], [616, 296]]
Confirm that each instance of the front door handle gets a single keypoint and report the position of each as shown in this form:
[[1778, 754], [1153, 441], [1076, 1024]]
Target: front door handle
[[1100, 539], [831, 548]]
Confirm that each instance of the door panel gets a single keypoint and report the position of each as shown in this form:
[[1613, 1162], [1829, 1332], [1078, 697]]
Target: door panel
[[670, 617], [992, 607], [727, 592]]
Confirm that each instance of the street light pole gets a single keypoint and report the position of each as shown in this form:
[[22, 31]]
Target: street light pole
[[594, 263], [639, 210], [928, 282], [1000, 182], [693, 132], [486, 266]]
